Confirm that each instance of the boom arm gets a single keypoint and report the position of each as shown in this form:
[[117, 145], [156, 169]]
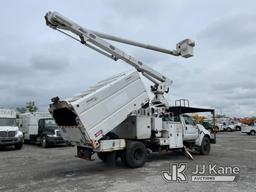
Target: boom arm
[[95, 41]]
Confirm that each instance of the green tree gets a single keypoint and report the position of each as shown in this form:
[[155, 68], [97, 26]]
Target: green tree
[[30, 107]]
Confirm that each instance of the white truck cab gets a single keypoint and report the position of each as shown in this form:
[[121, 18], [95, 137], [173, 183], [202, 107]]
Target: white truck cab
[[9, 132], [226, 126]]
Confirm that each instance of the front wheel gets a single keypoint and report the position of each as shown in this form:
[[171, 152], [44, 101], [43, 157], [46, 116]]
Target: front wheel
[[252, 132], [44, 142], [205, 147], [18, 145]]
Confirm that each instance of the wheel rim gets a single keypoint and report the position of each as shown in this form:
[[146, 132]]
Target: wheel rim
[[43, 142], [206, 146], [253, 133], [138, 154]]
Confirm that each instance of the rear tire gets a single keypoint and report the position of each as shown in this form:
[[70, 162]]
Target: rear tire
[[252, 132], [102, 156], [135, 154], [205, 147]]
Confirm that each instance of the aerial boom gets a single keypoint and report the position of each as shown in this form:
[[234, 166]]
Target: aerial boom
[[94, 40]]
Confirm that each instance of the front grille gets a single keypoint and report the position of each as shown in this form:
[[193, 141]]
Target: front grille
[[7, 133], [11, 133], [3, 133], [58, 133]]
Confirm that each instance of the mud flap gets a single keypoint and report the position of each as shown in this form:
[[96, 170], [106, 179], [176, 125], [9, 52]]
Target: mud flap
[[84, 153], [111, 159]]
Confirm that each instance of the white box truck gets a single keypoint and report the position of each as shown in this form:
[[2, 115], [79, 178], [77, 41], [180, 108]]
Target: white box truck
[[40, 128], [9, 132]]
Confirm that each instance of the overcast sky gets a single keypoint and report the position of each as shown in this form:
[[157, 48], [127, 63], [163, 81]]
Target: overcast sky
[[38, 63]]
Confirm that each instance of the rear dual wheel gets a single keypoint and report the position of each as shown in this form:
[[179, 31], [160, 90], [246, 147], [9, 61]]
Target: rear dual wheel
[[133, 156]]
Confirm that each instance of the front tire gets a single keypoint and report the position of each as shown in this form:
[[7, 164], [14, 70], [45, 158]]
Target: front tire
[[135, 154], [205, 147], [18, 145], [44, 142]]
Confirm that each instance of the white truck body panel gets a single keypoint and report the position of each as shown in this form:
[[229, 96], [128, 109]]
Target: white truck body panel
[[104, 106], [135, 127], [29, 122], [157, 124], [111, 145], [7, 113], [175, 135]]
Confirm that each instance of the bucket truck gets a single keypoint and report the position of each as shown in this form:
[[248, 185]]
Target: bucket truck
[[116, 118]]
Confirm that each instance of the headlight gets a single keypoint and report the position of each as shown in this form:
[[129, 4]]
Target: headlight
[[19, 134]]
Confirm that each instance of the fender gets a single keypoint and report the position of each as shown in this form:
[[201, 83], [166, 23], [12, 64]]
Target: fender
[[202, 132]]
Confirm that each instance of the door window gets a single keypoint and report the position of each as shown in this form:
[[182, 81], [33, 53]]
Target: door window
[[188, 120]]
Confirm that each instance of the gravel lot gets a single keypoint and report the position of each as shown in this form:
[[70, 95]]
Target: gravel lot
[[56, 169]]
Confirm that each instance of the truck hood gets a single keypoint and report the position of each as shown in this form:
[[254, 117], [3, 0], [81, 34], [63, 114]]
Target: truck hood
[[8, 128]]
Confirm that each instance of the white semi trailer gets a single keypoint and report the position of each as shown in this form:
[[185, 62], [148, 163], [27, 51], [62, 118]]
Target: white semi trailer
[[116, 117]]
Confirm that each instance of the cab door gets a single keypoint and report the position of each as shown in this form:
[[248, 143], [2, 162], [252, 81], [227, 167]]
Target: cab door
[[190, 128]]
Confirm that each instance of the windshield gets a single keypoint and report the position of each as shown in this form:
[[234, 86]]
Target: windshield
[[50, 123], [7, 122]]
